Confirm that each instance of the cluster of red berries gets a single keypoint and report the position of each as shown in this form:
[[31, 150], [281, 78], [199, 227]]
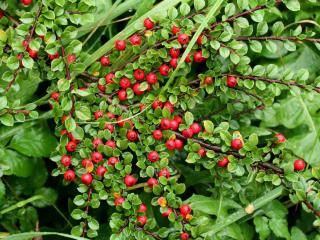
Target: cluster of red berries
[[26, 2]]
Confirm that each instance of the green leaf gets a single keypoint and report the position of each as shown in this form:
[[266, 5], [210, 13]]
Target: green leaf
[[93, 224], [199, 4], [17, 163], [208, 126], [37, 141], [184, 9], [188, 117], [3, 102], [292, 5], [261, 224], [83, 113], [50, 196], [297, 234], [70, 124], [279, 227], [7, 120]]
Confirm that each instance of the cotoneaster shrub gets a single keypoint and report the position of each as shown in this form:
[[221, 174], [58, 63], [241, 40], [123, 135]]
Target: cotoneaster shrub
[[172, 128]]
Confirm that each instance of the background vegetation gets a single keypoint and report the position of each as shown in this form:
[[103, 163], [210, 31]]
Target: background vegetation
[[33, 198]]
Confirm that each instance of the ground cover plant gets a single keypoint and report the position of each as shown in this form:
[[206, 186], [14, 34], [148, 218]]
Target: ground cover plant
[[172, 119]]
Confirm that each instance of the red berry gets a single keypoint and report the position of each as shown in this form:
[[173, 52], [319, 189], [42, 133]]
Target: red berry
[[66, 161], [174, 62], [98, 114], [236, 144], [188, 58], [174, 52], [120, 45], [142, 208], [231, 81], [64, 118], [86, 163], [111, 143], [202, 152], [25, 44], [187, 133], [136, 89], [96, 142], [169, 106], [152, 182], [185, 209], [122, 122], [152, 78], [109, 127], [148, 23], [53, 56], [33, 53], [167, 213], [174, 125], [110, 115], [178, 119], [165, 123], [138, 74], [1, 14], [142, 220], [26, 2], [129, 180], [164, 173], [122, 95], [170, 144], [157, 134], [132, 136], [153, 156], [196, 128], [55, 96], [135, 40], [164, 70], [72, 138], [71, 146], [157, 104], [142, 107], [69, 175], [86, 178], [183, 39], [112, 161], [175, 29], [96, 157], [281, 138], [20, 57], [105, 61], [208, 80], [197, 56], [199, 40], [118, 201], [102, 88], [71, 58], [184, 236], [299, 165], [125, 83], [109, 78], [178, 144], [101, 170], [224, 162]]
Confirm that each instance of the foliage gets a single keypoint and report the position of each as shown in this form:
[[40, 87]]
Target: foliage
[[171, 119]]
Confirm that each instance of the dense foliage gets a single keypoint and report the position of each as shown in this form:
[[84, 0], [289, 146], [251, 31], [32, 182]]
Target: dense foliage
[[171, 119]]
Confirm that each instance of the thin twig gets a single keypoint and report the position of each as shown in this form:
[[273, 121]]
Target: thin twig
[[86, 212], [279, 38]]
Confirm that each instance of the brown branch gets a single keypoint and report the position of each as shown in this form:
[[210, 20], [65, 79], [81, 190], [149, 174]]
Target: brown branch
[[149, 233], [34, 26], [264, 79], [261, 165], [124, 226], [15, 74], [68, 75], [242, 14], [91, 77], [87, 211], [282, 38], [310, 206], [12, 19], [14, 111]]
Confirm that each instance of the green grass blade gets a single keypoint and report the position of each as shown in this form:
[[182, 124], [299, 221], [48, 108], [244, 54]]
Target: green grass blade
[[28, 235], [258, 203]]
